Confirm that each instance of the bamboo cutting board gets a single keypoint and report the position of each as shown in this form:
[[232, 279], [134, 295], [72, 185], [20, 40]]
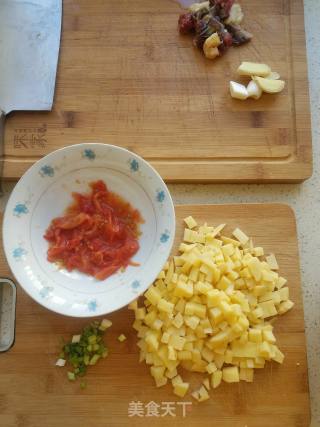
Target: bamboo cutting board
[[35, 393], [126, 77]]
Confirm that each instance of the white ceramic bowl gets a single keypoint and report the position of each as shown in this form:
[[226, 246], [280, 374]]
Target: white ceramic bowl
[[44, 192]]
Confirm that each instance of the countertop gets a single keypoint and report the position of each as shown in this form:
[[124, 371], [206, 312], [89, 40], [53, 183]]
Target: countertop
[[304, 199]]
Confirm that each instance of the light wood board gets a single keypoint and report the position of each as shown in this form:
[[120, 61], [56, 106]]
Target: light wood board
[[126, 77], [35, 393]]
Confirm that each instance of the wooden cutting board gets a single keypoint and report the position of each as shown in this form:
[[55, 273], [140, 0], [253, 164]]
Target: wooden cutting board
[[126, 77], [35, 393]]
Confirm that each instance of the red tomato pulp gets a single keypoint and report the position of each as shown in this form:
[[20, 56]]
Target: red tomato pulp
[[98, 235]]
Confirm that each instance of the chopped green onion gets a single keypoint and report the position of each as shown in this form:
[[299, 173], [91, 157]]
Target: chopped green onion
[[71, 376], [84, 349], [83, 385], [92, 339], [94, 359]]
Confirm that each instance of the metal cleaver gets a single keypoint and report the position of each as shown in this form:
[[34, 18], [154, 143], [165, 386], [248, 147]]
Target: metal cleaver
[[29, 49]]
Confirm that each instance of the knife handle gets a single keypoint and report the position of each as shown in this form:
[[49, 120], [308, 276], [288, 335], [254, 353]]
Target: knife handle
[[2, 122]]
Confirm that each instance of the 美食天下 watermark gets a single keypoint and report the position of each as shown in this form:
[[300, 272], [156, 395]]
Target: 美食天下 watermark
[[161, 409]]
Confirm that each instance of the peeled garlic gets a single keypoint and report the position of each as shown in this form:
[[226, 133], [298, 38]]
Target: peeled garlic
[[273, 76], [238, 91], [268, 85], [253, 69], [254, 90]]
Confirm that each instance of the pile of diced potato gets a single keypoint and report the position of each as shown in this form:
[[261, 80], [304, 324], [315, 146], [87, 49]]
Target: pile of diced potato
[[208, 311]]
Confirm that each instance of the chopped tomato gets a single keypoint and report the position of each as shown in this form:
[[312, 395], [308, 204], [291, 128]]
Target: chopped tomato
[[98, 235]]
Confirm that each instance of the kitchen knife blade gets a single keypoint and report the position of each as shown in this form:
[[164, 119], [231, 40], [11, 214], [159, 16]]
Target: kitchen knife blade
[[29, 49]]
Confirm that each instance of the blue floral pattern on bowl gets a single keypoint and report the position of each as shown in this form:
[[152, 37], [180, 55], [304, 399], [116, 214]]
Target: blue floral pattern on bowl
[[20, 209], [134, 165], [160, 197], [92, 305], [135, 284], [18, 253], [45, 291], [88, 154], [46, 171], [165, 236]]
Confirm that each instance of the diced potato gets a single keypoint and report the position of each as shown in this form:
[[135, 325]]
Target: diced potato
[[160, 382], [255, 335], [272, 261], [268, 309], [181, 389], [230, 374], [165, 306], [216, 379], [208, 308], [191, 222], [246, 374], [177, 342], [285, 306], [122, 338], [153, 295], [241, 236], [203, 394], [284, 294]]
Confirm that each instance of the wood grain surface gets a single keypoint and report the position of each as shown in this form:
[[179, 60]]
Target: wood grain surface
[[126, 77], [35, 393]]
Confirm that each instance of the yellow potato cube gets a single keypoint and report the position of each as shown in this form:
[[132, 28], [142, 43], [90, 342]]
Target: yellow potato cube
[[196, 309], [184, 355], [181, 389], [140, 313], [165, 306], [258, 251], [246, 374], [272, 261], [157, 324], [171, 374], [178, 321], [207, 354], [194, 274], [152, 341], [157, 371], [160, 382], [183, 289], [268, 309], [216, 378], [254, 266], [133, 305], [281, 282], [285, 306], [177, 342], [172, 354], [249, 350], [268, 336], [196, 356], [153, 295], [278, 356], [176, 380], [241, 236], [203, 394], [284, 294], [203, 287], [231, 374], [191, 222], [165, 338], [255, 335]]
